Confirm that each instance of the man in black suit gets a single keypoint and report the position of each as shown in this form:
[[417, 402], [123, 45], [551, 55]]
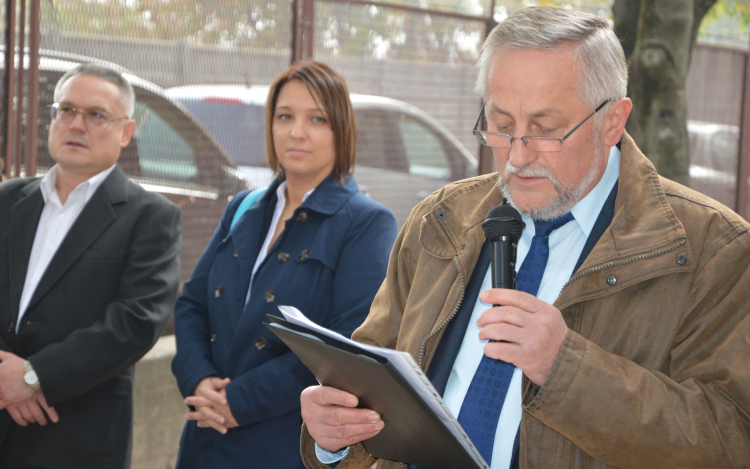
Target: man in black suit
[[89, 272]]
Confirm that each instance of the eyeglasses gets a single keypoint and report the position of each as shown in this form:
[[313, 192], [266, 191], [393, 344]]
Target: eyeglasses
[[94, 120], [544, 144]]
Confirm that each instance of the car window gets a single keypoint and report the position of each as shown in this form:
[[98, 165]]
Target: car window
[[238, 128], [371, 134], [162, 151], [424, 149], [379, 144]]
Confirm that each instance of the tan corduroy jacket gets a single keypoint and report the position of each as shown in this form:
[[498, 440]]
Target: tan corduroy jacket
[[655, 369]]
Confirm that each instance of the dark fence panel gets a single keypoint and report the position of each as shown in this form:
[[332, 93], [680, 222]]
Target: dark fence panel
[[715, 99]]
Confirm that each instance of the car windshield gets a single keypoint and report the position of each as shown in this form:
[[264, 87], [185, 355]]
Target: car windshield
[[237, 127]]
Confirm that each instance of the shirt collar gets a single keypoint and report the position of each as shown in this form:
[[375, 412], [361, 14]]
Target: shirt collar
[[281, 194], [89, 186], [586, 211]]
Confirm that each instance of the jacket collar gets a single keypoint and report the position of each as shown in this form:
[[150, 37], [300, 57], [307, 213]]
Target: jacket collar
[[643, 220], [95, 217], [455, 222], [114, 186], [328, 197]]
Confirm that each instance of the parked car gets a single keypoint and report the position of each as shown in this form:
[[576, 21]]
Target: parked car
[[403, 153], [170, 153], [714, 156]]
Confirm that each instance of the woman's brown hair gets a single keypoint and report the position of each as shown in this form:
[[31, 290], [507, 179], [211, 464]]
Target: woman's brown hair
[[328, 86]]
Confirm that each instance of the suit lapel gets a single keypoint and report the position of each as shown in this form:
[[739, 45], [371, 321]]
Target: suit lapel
[[95, 217], [24, 218]]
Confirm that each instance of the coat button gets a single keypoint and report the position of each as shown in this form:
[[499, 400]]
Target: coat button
[[213, 337], [682, 259], [217, 292], [260, 343], [611, 280], [301, 216], [303, 255], [270, 297], [283, 256]]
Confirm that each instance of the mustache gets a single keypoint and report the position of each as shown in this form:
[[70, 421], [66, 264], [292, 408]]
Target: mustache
[[530, 171]]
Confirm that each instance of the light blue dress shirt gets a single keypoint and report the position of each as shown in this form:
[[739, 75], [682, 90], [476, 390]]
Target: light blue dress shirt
[[565, 247]]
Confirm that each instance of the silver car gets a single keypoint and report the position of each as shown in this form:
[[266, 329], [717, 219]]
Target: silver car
[[403, 154]]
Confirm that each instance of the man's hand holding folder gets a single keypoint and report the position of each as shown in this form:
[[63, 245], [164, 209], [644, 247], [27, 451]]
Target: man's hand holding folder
[[333, 420], [402, 417]]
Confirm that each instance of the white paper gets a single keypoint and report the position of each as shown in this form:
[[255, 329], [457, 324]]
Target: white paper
[[408, 368]]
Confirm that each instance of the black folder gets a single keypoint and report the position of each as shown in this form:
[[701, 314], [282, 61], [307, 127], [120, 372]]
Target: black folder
[[413, 433]]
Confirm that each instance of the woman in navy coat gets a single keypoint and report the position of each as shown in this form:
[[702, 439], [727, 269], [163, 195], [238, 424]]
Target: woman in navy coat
[[311, 240]]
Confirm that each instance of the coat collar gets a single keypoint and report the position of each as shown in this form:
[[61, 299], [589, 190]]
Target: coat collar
[[115, 186], [328, 197], [643, 220]]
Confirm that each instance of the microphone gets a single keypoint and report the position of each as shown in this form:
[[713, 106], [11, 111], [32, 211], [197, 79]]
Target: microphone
[[503, 227]]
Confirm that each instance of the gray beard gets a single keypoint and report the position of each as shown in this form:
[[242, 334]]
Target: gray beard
[[566, 195]]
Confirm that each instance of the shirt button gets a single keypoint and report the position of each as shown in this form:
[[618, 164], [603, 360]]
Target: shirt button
[[235, 254], [213, 337], [301, 216], [260, 343], [217, 292], [283, 256], [270, 297], [303, 255]]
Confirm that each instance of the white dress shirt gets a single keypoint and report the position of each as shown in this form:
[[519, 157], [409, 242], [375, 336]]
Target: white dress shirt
[[54, 224], [280, 204], [565, 247]]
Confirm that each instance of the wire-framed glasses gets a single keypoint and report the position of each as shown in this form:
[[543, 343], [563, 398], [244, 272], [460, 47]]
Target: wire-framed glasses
[[94, 120], [544, 144]]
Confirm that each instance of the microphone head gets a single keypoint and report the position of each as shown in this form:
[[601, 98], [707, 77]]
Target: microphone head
[[503, 220]]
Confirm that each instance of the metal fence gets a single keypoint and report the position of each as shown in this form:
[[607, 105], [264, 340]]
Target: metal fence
[[410, 145], [191, 141]]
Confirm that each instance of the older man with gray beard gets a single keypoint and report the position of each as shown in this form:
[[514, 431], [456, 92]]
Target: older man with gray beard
[[627, 342]]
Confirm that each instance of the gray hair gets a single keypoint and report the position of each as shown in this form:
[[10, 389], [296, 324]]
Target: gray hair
[[603, 70], [127, 96]]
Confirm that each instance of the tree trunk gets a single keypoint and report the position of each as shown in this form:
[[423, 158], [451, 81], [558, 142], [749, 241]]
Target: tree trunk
[[625, 14], [659, 65]]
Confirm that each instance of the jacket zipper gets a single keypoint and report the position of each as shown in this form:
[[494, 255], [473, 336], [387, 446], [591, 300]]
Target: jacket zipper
[[625, 261], [453, 313]]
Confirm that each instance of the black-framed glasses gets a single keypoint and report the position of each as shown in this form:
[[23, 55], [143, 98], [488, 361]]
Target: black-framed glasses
[[544, 144], [93, 120]]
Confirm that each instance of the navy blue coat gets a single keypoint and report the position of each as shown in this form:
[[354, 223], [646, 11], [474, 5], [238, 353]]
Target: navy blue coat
[[328, 262]]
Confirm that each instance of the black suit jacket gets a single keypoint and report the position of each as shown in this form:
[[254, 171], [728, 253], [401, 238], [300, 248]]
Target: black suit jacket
[[99, 307]]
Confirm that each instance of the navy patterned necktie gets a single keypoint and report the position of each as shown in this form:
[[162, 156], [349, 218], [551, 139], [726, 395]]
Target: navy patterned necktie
[[484, 400]]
